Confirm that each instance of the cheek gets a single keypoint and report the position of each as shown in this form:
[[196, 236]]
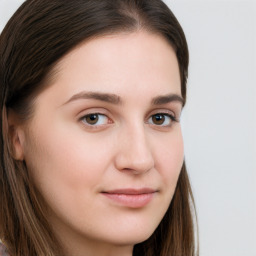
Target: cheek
[[66, 168], [170, 157], [63, 162]]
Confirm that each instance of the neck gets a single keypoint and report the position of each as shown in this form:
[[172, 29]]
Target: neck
[[98, 249], [81, 247]]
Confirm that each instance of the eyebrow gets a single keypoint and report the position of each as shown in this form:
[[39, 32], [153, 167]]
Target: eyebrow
[[164, 99], [115, 99], [106, 97]]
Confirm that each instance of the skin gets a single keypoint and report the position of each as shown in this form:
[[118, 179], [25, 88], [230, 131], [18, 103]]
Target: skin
[[72, 162]]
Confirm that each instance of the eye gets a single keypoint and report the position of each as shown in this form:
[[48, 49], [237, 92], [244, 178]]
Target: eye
[[94, 119], [161, 119]]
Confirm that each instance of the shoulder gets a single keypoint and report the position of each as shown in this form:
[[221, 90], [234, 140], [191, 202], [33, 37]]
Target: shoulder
[[3, 251]]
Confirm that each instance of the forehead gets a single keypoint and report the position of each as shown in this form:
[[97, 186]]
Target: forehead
[[118, 63]]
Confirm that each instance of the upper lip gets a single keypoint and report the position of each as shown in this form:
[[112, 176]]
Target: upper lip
[[131, 191]]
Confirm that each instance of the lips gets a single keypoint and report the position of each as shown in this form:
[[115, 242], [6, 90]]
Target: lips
[[132, 198]]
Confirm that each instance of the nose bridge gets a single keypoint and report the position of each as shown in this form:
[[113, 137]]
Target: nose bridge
[[134, 152]]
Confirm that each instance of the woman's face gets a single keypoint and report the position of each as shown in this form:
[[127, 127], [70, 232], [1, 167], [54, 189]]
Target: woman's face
[[104, 147]]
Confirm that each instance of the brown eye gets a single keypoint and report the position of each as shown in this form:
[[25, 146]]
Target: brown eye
[[158, 119], [95, 119], [92, 119], [161, 119]]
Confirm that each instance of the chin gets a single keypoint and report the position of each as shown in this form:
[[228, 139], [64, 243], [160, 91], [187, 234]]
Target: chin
[[132, 235]]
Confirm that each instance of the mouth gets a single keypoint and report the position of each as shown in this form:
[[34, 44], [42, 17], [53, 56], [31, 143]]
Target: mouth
[[132, 198]]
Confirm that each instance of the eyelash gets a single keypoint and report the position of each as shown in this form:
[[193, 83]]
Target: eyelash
[[99, 116], [171, 117]]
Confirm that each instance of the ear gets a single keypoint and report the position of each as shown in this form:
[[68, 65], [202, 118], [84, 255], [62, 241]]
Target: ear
[[16, 136]]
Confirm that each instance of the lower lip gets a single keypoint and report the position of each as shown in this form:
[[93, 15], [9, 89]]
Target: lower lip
[[132, 201]]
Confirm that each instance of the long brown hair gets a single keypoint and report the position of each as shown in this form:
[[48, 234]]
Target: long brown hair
[[37, 36]]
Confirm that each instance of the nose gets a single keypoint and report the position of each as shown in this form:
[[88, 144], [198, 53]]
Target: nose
[[134, 153]]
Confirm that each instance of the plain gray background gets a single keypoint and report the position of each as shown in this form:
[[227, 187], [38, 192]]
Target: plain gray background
[[219, 120]]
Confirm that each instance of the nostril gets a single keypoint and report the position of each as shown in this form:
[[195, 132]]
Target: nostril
[[137, 168], [133, 171]]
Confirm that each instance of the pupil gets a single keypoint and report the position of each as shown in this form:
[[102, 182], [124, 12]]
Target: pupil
[[158, 119], [92, 119]]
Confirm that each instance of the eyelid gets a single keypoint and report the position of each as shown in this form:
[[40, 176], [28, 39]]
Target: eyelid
[[167, 118], [102, 111], [97, 114], [170, 119], [98, 111], [165, 111], [94, 110]]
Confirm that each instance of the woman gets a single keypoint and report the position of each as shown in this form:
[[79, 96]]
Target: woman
[[92, 154]]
